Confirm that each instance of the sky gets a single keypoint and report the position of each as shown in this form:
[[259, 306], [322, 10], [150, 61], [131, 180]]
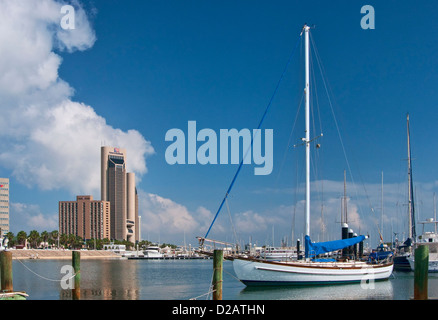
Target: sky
[[130, 71]]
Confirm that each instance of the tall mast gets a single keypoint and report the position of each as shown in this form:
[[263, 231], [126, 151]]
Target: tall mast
[[345, 199], [411, 207], [381, 212], [307, 138]]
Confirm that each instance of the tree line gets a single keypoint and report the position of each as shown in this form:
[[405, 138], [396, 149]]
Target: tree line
[[54, 239]]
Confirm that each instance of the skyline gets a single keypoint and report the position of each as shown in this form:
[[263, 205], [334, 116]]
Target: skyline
[[218, 64]]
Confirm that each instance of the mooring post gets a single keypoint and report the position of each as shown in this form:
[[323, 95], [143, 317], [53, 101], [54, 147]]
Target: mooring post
[[421, 269], [76, 263], [218, 258], [6, 271]]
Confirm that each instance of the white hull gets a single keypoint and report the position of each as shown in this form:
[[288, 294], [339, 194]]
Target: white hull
[[152, 254], [433, 264], [256, 272]]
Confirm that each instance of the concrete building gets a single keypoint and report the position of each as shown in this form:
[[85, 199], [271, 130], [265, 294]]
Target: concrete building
[[85, 217], [4, 206], [118, 187]]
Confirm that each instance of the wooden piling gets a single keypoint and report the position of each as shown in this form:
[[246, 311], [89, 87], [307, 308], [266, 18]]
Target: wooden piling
[[218, 258], [76, 263], [421, 270], [6, 271]]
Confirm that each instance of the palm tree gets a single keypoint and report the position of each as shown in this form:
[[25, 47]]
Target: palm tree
[[63, 240], [21, 237], [71, 239], [11, 239], [45, 238], [53, 239], [34, 238]]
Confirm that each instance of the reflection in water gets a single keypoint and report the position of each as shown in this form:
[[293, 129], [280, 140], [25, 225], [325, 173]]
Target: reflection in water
[[186, 279], [380, 290], [107, 280]]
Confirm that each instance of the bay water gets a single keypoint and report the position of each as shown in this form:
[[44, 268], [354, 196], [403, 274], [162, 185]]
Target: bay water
[[184, 280]]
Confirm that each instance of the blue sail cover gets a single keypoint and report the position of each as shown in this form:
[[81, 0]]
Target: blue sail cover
[[315, 249]]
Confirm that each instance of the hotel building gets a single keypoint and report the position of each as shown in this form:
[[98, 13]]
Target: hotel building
[[118, 187], [4, 206], [85, 217]]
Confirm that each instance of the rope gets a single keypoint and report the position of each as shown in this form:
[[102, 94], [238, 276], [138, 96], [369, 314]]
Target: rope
[[252, 137], [42, 277], [209, 290], [194, 298], [232, 275]]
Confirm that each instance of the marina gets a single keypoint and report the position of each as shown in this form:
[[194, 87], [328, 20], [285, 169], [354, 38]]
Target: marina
[[184, 106], [122, 279]]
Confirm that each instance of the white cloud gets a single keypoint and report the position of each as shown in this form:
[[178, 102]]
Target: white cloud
[[29, 217], [170, 221], [49, 140], [249, 221]]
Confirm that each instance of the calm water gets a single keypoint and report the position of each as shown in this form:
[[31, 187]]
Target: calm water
[[183, 280]]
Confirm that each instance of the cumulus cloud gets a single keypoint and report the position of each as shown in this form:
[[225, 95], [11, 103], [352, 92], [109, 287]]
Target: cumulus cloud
[[49, 140], [30, 217], [163, 217]]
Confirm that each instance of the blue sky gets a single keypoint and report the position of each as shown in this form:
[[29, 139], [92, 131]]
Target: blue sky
[[136, 69]]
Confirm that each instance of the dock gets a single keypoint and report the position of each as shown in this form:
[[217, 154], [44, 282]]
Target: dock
[[168, 258]]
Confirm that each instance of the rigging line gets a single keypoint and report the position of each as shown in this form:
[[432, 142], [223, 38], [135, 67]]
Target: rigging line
[[290, 138], [252, 137], [316, 164], [334, 117], [231, 222]]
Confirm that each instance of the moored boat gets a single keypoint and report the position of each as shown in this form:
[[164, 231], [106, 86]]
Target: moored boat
[[152, 252], [310, 271]]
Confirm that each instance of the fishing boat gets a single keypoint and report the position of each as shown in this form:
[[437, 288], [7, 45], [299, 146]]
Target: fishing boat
[[429, 239], [310, 270]]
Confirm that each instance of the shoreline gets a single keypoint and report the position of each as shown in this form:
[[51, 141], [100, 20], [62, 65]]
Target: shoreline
[[22, 254]]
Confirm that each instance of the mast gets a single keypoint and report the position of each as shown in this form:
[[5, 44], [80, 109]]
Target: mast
[[307, 138], [411, 207], [381, 212], [345, 200]]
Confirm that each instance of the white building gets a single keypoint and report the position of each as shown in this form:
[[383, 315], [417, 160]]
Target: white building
[[4, 206]]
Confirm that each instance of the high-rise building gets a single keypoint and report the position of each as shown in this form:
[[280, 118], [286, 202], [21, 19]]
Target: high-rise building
[[118, 187], [85, 217], [4, 206]]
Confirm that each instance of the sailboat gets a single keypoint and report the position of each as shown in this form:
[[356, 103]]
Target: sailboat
[[310, 270]]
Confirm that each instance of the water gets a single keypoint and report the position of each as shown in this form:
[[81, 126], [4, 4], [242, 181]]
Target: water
[[184, 280]]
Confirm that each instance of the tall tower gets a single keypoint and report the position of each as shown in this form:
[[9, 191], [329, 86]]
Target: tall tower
[[118, 187], [4, 206]]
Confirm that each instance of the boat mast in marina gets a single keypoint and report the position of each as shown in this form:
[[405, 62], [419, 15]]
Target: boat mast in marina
[[411, 206], [307, 138], [253, 271]]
